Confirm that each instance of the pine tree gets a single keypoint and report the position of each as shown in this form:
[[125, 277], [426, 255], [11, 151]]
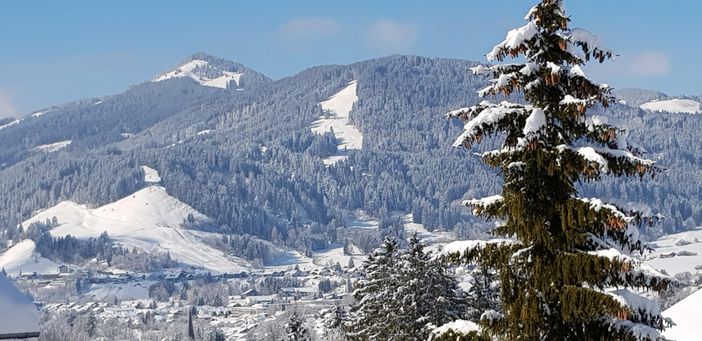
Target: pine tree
[[375, 316], [295, 330], [430, 296], [562, 255]]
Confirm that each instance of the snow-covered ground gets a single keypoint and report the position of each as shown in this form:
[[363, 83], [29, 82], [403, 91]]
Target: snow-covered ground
[[675, 105], [192, 69], [150, 220], [678, 253], [20, 258], [151, 175], [686, 316], [335, 254], [53, 147], [339, 106]]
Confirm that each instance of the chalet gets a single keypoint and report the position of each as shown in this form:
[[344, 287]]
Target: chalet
[[19, 316], [64, 269]]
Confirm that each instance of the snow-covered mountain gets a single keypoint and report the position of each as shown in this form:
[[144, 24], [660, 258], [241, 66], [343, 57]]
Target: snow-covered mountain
[[150, 220], [213, 72]]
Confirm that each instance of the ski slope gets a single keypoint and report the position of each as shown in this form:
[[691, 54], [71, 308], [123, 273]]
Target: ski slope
[[676, 253], [686, 316], [150, 220], [676, 105], [53, 147], [339, 106], [194, 70], [150, 174]]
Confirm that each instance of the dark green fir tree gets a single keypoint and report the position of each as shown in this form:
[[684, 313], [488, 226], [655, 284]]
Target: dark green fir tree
[[564, 261]]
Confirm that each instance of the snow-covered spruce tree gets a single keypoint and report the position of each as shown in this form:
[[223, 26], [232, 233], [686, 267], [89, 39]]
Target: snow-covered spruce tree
[[430, 297], [295, 330], [375, 315], [563, 265]]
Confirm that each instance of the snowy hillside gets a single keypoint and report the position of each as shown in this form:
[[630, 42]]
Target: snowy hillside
[[20, 258], [686, 316], [149, 219], [339, 106], [678, 253], [676, 105], [204, 73]]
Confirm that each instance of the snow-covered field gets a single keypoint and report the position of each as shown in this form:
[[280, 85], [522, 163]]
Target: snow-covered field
[[124, 291], [678, 253], [675, 105], [150, 220], [339, 106], [53, 147], [190, 70]]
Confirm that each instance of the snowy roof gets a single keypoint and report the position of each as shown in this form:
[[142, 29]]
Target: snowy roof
[[685, 315], [17, 313]]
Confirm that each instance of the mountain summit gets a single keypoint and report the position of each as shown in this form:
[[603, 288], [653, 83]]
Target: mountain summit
[[214, 72]]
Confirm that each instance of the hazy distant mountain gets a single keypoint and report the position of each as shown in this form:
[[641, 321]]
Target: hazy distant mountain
[[635, 97]]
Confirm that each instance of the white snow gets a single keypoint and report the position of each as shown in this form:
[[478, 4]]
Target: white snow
[[515, 38], [459, 327], [675, 105], [490, 113], [461, 247], [22, 258], [150, 174], [132, 290], [7, 125], [639, 305], [150, 220], [339, 106], [483, 202], [38, 113], [191, 70], [361, 220], [204, 132], [535, 122], [53, 147], [17, 313], [335, 254], [686, 315]]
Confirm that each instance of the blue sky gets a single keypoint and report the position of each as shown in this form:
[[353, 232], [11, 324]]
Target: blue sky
[[57, 51]]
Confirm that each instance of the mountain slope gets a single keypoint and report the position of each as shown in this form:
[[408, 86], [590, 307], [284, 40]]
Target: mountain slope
[[250, 160], [150, 220], [215, 72]]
